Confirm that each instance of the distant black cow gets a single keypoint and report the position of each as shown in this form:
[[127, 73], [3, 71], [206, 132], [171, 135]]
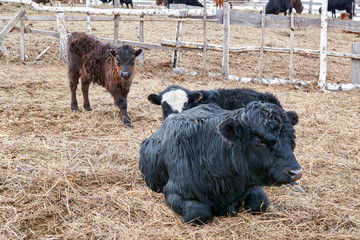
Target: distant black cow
[[186, 2], [175, 99], [278, 6], [334, 5], [207, 160], [127, 2]]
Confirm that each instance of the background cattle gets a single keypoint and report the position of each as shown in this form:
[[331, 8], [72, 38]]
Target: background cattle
[[297, 5], [175, 99], [42, 1], [112, 67], [334, 5], [277, 6], [208, 160], [186, 2], [127, 2]]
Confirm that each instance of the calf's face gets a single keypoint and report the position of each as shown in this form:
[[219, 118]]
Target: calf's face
[[175, 100], [125, 60], [265, 135]]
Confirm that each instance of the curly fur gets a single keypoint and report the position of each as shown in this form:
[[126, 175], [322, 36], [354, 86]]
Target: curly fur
[[207, 160]]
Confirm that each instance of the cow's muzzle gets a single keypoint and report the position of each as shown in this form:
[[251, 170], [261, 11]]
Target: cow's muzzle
[[125, 74], [294, 174]]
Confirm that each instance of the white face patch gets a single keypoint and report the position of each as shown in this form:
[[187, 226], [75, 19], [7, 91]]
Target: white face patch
[[176, 99]]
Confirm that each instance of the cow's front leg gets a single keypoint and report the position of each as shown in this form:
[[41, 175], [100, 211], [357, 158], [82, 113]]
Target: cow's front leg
[[231, 210], [256, 200], [121, 102], [192, 211]]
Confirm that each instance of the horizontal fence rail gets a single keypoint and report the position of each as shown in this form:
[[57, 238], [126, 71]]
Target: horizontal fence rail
[[182, 14]]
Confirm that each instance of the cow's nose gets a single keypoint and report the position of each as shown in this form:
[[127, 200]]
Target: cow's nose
[[295, 174], [125, 74]]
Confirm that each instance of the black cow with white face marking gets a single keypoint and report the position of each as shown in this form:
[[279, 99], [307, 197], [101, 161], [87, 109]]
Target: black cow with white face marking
[[176, 99], [208, 160]]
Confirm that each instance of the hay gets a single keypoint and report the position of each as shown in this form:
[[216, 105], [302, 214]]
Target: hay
[[67, 175]]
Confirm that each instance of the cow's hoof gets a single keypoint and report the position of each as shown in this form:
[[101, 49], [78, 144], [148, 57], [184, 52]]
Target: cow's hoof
[[129, 125]]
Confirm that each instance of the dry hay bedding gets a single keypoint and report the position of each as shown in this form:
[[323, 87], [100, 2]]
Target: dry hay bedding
[[75, 175]]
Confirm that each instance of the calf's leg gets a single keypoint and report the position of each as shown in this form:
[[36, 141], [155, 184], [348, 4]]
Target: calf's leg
[[121, 102], [73, 82], [85, 89], [74, 65]]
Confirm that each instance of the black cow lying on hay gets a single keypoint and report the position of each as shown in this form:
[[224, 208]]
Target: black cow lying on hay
[[175, 99], [207, 160]]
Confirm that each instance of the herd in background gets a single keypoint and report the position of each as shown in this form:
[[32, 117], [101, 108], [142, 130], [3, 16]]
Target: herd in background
[[272, 7], [215, 149]]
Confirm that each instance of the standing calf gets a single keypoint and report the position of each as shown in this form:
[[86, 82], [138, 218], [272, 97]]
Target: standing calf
[[112, 67], [207, 160]]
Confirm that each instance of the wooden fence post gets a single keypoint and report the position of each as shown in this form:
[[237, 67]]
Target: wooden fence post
[[20, 15], [88, 17], [292, 29], [226, 41], [141, 58], [176, 53], [3, 49], [323, 45], [22, 29], [116, 23], [355, 72], [63, 35], [262, 44], [204, 40], [310, 6]]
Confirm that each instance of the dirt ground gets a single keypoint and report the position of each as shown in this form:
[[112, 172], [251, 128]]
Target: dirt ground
[[66, 175]]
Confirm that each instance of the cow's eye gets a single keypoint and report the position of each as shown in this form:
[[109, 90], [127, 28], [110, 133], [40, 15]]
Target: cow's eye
[[260, 142]]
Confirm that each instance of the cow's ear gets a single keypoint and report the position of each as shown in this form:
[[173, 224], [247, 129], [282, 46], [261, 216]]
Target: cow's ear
[[138, 52], [155, 99], [293, 117], [195, 97], [233, 131], [113, 52]]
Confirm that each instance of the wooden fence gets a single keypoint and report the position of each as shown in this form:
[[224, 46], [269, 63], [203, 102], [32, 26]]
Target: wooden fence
[[225, 17]]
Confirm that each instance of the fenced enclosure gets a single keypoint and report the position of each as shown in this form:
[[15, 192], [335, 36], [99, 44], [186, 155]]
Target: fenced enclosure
[[225, 17], [66, 175]]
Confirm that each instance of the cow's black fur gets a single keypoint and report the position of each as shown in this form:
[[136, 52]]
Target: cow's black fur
[[186, 2], [127, 2], [208, 160], [229, 99], [278, 6], [334, 5]]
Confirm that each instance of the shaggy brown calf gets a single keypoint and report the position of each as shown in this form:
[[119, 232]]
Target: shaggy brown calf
[[112, 67]]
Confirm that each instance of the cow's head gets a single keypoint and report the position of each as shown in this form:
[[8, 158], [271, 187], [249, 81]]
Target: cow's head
[[265, 136], [298, 6], [175, 99], [125, 60]]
